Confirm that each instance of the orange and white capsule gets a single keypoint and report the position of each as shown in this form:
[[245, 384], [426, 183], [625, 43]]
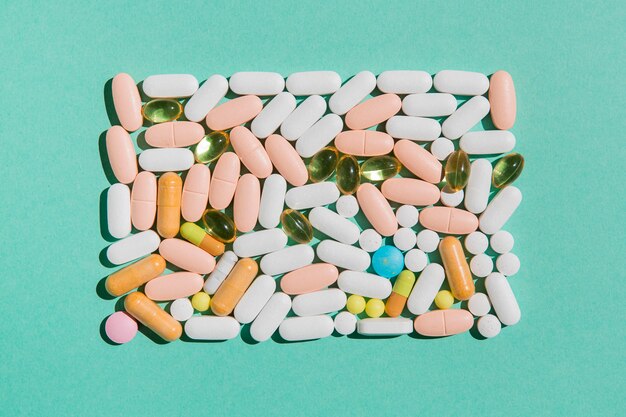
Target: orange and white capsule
[[234, 286], [168, 204], [457, 270], [247, 201], [135, 275], [148, 313]]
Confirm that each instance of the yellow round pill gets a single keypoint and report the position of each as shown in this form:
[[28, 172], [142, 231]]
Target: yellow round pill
[[444, 300], [355, 304], [201, 301], [375, 307]]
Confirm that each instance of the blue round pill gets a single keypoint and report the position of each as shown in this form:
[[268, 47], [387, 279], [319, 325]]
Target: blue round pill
[[388, 261]]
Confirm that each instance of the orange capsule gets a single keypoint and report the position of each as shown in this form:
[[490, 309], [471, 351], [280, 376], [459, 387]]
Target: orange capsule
[[168, 204], [233, 287], [457, 269], [135, 275], [152, 316]]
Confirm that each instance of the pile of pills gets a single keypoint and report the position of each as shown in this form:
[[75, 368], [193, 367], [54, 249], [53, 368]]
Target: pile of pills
[[308, 206]]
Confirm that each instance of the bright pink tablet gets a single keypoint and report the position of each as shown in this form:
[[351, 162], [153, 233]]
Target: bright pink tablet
[[234, 112], [308, 279], [174, 134], [247, 201], [120, 327], [410, 191], [251, 152], [121, 154], [187, 256], [286, 160], [224, 181], [502, 100], [377, 209], [418, 160], [373, 111], [448, 220], [195, 192], [127, 102], [172, 286], [143, 199], [364, 142], [443, 322]]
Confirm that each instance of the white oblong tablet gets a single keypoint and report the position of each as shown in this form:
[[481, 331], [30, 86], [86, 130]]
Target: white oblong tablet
[[508, 264], [254, 299], [257, 83], [319, 302], [479, 304], [352, 92], [166, 159], [386, 326], [272, 201], [407, 216], [313, 82], [334, 226], [413, 128], [487, 142], [208, 95], [211, 328], [270, 317], [364, 284], [465, 117], [319, 135], [478, 186], [461, 83], [133, 247], [223, 267], [181, 309], [273, 114], [415, 260], [404, 82], [287, 259], [488, 326], [476, 243], [170, 85], [345, 323], [303, 117], [441, 148], [500, 210], [312, 195], [502, 242], [426, 288], [481, 265], [343, 256], [118, 210], [428, 240], [404, 239], [451, 198], [370, 240], [259, 243], [429, 105], [295, 329], [347, 206], [502, 298]]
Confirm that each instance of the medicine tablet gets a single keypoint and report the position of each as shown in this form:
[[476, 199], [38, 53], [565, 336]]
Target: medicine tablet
[[479, 304], [118, 210], [342, 255], [370, 240], [313, 82], [481, 265], [133, 247], [120, 327], [451, 198], [427, 240], [287, 259], [487, 142], [413, 128], [272, 201], [461, 83], [489, 326], [294, 329], [429, 105], [170, 85], [273, 115], [500, 209], [211, 328], [206, 97], [312, 195], [465, 117], [181, 309], [502, 241], [303, 117], [404, 82], [319, 135], [345, 323], [254, 299], [404, 239], [257, 83], [508, 264], [333, 225], [442, 148], [166, 159], [347, 206], [502, 299], [352, 92], [476, 243], [415, 260], [407, 216]]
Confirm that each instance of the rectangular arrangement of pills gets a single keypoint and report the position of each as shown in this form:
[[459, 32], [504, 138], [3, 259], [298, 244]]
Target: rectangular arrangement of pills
[[311, 205]]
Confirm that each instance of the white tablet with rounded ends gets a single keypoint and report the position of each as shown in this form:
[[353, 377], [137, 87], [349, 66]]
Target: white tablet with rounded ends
[[352, 92], [500, 210], [451, 198], [296, 329], [502, 242], [170, 85], [487, 142], [425, 289], [181, 309], [345, 323], [461, 83], [347, 206], [273, 114], [118, 210], [404, 239], [319, 302], [364, 284], [370, 240], [407, 216], [415, 260], [211, 328], [479, 304], [208, 95], [257, 83], [223, 267], [133, 247], [307, 83], [254, 299], [489, 326], [166, 159], [413, 128], [270, 317], [272, 201], [465, 117], [508, 264], [441, 148], [481, 265], [319, 135], [429, 105], [312, 195], [427, 240], [478, 186], [386, 326], [502, 299], [287, 259], [334, 226], [343, 256], [259, 243], [404, 82], [476, 243], [303, 117]]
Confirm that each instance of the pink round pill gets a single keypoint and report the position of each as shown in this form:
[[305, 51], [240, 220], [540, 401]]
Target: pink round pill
[[120, 327]]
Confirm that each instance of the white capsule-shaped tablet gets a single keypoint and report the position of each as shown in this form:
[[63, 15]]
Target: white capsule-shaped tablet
[[461, 83], [488, 326], [479, 304], [425, 289], [508, 264], [319, 135], [211, 328], [118, 211], [429, 105], [370, 240], [364, 284], [441, 148], [407, 216], [272, 201], [415, 260], [133, 247], [166, 159], [451, 198], [287, 259], [465, 117], [478, 186], [476, 242], [487, 142], [343, 256], [352, 92], [427, 240], [223, 267], [313, 82], [273, 114], [345, 323], [254, 299], [181, 309], [386, 326], [347, 206], [404, 82], [170, 85], [312, 195], [319, 302], [404, 239], [259, 243], [413, 128], [502, 242], [500, 209], [296, 329], [208, 95], [481, 265], [270, 317], [303, 117], [257, 83], [334, 226], [502, 299]]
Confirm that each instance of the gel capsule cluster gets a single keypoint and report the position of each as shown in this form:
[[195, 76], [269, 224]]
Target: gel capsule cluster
[[311, 206]]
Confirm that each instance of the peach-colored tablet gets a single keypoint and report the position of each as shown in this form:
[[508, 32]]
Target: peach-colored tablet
[[286, 160], [127, 102], [410, 191], [174, 134], [224, 181], [173, 286], [234, 112], [308, 279], [195, 192], [187, 256], [364, 142], [448, 220], [444, 322], [377, 209], [251, 152], [502, 100], [143, 200], [121, 154], [373, 111], [418, 160], [247, 201]]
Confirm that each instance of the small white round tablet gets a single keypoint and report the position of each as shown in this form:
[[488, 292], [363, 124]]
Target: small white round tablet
[[181, 309], [427, 240], [404, 239], [407, 216], [481, 265], [479, 304], [508, 264], [441, 148], [502, 241], [451, 198], [489, 326], [415, 260], [347, 206], [345, 323], [370, 240], [476, 243]]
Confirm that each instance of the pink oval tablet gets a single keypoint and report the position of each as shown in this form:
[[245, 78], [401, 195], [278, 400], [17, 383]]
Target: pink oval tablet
[[410, 191], [195, 192], [308, 279], [143, 201], [120, 327], [234, 112], [373, 111], [247, 201], [448, 220], [121, 154], [187, 256], [174, 134], [443, 322], [224, 181], [502, 100], [127, 102], [251, 152], [418, 160], [172, 286], [286, 160], [377, 209], [364, 142]]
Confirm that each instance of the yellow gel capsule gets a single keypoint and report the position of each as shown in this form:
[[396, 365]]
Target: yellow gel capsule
[[507, 169], [401, 290], [457, 170], [219, 225], [201, 301], [444, 300], [162, 110], [355, 304], [348, 174], [374, 307], [211, 147], [380, 168], [323, 164], [296, 226]]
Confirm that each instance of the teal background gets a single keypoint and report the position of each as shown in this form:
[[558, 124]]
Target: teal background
[[566, 357]]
